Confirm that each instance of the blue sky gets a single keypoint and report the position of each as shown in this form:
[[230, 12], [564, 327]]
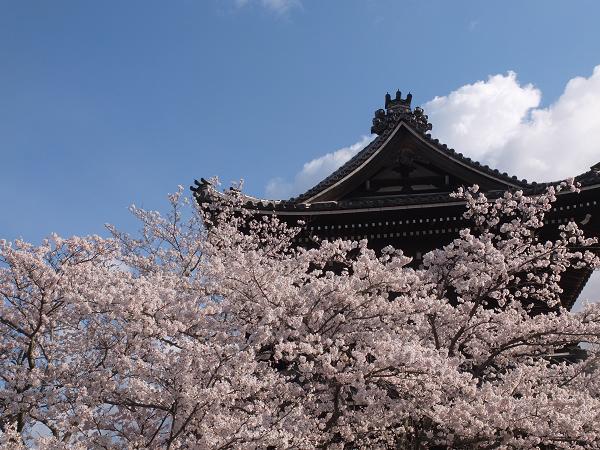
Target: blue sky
[[104, 104]]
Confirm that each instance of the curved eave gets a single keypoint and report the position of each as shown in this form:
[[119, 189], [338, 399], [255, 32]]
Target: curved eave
[[289, 208], [582, 276]]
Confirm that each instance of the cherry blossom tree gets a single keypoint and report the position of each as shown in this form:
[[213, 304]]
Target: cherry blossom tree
[[212, 330]]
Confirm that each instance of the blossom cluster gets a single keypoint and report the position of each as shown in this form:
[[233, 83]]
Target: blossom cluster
[[213, 330]]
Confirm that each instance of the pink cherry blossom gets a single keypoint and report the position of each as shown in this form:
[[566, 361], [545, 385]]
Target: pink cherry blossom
[[212, 330]]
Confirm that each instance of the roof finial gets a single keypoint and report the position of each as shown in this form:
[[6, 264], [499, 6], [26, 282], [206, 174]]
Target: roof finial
[[397, 109], [398, 103]]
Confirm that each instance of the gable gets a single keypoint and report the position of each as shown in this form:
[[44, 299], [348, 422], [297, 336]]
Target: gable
[[407, 164], [406, 172]]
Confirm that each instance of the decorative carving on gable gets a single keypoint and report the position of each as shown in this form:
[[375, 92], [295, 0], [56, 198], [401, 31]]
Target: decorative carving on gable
[[409, 157]]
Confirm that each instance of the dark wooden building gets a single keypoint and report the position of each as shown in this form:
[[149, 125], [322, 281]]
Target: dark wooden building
[[396, 192]]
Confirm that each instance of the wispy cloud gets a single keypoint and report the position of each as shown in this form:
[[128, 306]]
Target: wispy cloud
[[473, 24], [314, 171], [279, 7]]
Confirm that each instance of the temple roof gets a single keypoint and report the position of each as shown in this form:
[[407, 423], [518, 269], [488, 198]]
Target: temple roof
[[402, 141], [397, 191]]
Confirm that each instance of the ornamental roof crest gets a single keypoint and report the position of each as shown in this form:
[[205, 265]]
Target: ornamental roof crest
[[396, 110]]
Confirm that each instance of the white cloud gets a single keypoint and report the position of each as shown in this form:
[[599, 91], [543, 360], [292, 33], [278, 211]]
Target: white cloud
[[480, 118], [314, 171], [499, 122]]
